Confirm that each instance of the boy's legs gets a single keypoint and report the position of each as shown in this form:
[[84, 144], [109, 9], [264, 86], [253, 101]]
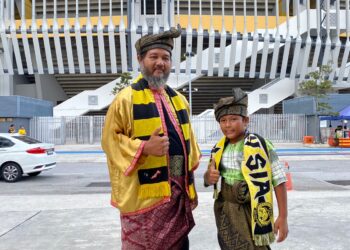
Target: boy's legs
[[232, 215]]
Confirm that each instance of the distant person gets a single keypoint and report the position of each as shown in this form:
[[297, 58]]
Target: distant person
[[12, 129], [338, 132], [250, 171], [22, 130]]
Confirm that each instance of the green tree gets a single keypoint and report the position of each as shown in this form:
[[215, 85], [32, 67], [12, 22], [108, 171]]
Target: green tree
[[318, 86], [125, 78]]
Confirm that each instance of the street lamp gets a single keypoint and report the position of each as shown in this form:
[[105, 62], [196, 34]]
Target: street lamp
[[189, 90], [189, 55]]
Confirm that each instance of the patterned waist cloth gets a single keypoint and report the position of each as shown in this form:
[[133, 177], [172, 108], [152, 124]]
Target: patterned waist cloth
[[236, 193], [166, 226], [176, 163], [233, 217]]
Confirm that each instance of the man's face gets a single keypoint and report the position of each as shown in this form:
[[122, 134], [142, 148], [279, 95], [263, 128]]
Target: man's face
[[233, 126], [155, 67]]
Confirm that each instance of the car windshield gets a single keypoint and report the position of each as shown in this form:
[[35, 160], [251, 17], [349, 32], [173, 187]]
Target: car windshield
[[26, 139]]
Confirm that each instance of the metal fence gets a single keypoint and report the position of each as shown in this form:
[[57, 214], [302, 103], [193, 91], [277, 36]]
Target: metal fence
[[67, 130], [275, 127], [279, 127], [88, 129]]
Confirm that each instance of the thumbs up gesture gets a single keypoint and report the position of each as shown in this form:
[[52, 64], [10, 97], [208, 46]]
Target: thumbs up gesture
[[212, 175], [156, 145]]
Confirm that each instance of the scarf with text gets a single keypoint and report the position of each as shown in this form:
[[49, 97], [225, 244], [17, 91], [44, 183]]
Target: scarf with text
[[256, 169]]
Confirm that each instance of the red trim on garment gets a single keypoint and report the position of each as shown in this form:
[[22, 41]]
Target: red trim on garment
[[114, 204], [136, 158], [141, 211], [157, 98], [180, 133], [197, 164]]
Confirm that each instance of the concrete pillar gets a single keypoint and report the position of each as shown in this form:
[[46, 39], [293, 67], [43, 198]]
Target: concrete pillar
[[38, 86], [6, 85], [47, 88], [6, 81]]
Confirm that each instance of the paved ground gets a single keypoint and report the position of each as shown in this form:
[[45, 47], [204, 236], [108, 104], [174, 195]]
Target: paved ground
[[59, 210], [317, 220]]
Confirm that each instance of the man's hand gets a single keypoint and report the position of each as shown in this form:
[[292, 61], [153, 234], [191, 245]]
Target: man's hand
[[156, 145], [212, 175], [281, 227]]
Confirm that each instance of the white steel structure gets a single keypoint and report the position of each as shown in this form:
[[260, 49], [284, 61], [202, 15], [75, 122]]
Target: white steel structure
[[278, 41]]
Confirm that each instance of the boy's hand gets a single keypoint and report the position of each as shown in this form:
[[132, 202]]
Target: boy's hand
[[281, 227], [212, 175]]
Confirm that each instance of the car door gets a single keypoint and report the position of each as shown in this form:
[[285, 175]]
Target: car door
[[7, 150]]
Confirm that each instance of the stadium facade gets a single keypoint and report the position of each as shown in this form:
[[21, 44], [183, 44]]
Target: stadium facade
[[72, 52]]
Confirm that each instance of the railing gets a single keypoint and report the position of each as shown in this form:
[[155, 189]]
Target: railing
[[279, 127], [88, 129], [67, 130]]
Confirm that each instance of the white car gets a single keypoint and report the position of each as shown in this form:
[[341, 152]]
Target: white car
[[21, 154]]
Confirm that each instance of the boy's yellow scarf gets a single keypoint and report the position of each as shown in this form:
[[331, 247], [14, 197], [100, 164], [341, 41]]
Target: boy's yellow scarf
[[257, 173], [153, 174]]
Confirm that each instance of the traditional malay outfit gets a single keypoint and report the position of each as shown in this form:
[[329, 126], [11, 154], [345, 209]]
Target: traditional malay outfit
[[249, 170], [155, 195]]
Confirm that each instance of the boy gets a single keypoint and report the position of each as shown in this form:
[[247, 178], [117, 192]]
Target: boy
[[249, 168]]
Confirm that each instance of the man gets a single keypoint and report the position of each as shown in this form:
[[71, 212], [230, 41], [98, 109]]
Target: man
[[152, 153]]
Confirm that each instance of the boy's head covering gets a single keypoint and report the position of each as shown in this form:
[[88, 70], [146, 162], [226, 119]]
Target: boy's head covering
[[162, 40], [232, 105]]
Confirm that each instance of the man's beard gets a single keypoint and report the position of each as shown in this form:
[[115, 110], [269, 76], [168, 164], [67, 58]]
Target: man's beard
[[154, 81]]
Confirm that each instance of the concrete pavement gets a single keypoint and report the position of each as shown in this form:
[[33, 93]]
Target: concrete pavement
[[317, 220]]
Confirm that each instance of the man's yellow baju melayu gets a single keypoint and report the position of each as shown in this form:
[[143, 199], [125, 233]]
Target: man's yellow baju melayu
[[140, 183]]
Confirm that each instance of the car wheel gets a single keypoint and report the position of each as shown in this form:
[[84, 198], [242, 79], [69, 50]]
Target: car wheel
[[11, 172], [34, 174]]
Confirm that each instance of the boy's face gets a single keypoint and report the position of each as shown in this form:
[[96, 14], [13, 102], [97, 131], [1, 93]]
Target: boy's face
[[233, 126]]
